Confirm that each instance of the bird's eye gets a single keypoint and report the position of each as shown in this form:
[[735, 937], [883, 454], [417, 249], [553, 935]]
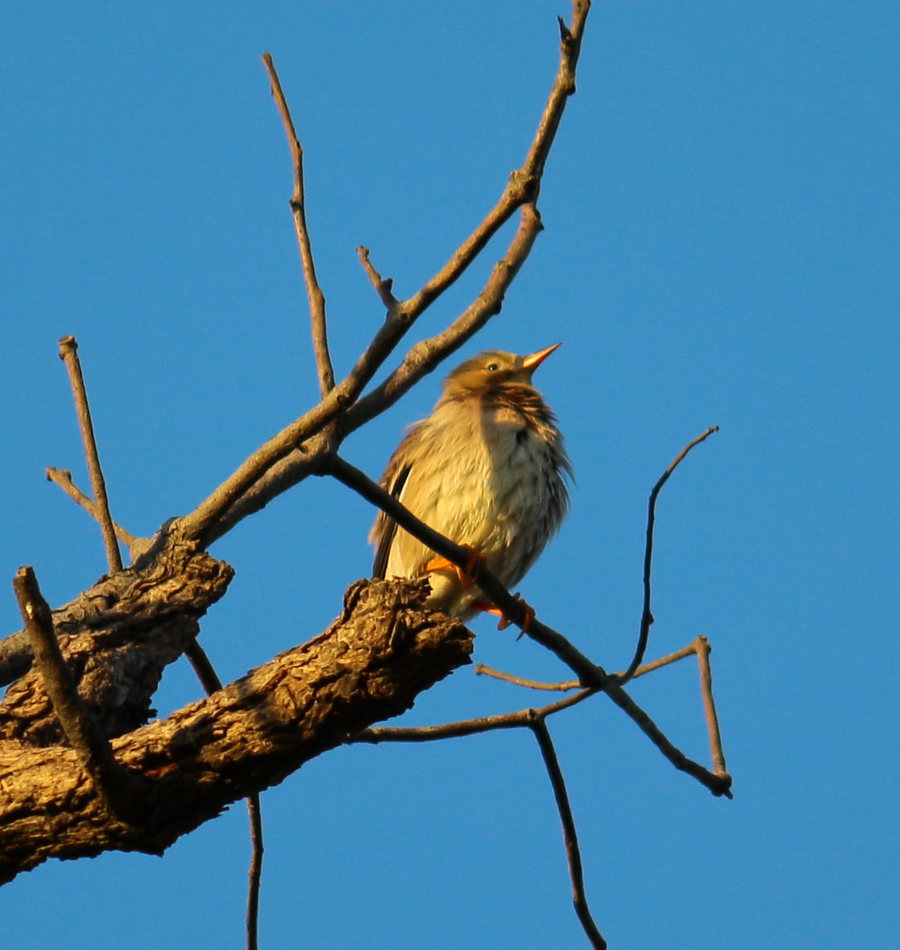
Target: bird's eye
[[493, 367]]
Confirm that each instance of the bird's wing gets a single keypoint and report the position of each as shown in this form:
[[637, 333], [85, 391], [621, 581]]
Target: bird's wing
[[387, 528]]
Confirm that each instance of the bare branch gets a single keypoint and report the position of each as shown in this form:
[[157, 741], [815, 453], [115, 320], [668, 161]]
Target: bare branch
[[383, 287], [716, 783], [68, 353], [570, 836], [383, 650], [483, 670], [63, 478], [703, 649], [646, 613], [111, 782], [254, 875], [211, 683], [523, 718], [298, 208]]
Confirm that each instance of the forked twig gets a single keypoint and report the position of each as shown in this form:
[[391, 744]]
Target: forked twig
[[63, 478], [570, 836], [68, 353], [646, 613], [298, 208]]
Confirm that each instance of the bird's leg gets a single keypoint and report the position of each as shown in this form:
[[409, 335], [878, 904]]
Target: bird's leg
[[463, 573], [489, 608]]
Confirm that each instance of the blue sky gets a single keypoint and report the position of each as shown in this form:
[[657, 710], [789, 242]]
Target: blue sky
[[721, 247]]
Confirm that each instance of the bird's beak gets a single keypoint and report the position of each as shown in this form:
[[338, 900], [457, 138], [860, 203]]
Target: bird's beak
[[532, 362]]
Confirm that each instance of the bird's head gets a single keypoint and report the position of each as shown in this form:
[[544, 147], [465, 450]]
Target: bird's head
[[491, 369]]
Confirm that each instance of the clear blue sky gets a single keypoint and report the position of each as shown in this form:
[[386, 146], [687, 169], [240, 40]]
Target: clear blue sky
[[721, 246]]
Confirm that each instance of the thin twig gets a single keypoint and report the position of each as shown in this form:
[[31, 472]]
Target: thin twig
[[298, 208], [570, 836], [211, 683], [483, 670], [646, 613], [68, 353], [383, 286], [716, 783], [522, 718], [63, 478], [254, 874], [113, 784], [709, 707]]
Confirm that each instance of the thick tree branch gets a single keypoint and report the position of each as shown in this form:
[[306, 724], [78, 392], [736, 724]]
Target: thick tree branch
[[370, 664]]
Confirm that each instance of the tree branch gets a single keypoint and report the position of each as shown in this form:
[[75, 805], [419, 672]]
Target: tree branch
[[570, 836], [382, 651], [113, 785], [63, 478], [298, 208], [646, 613], [68, 353]]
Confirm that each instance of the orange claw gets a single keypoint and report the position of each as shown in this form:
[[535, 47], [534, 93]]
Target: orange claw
[[463, 573], [489, 608]]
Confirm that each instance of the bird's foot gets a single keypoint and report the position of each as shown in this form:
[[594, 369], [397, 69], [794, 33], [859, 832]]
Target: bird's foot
[[489, 608], [463, 573]]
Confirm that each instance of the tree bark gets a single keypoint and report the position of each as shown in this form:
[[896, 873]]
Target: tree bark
[[368, 665]]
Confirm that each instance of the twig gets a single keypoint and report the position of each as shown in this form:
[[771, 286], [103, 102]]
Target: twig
[[211, 683], [465, 727], [298, 208], [113, 784], [570, 836], [709, 707], [383, 286], [718, 784], [646, 613], [63, 478], [483, 670], [68, 353], [588, 672], [254, 874]]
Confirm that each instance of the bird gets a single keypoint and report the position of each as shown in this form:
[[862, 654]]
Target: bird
[[487, 469]]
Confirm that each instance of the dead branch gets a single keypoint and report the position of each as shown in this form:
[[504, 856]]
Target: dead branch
[[369, 665], [68, 353], [298, 208], [63, 478], [646, 613], [570, 836]]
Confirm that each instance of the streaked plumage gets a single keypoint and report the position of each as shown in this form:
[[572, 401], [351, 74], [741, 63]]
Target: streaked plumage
[[486, 469]]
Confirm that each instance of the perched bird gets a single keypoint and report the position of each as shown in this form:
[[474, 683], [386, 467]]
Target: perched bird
[[485, 469]]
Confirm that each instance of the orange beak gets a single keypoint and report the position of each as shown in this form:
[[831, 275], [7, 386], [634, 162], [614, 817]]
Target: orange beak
[[533, 361]]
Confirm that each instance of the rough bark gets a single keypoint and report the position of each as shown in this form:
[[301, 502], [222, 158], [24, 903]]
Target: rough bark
[[117, 637], [368, 665]]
